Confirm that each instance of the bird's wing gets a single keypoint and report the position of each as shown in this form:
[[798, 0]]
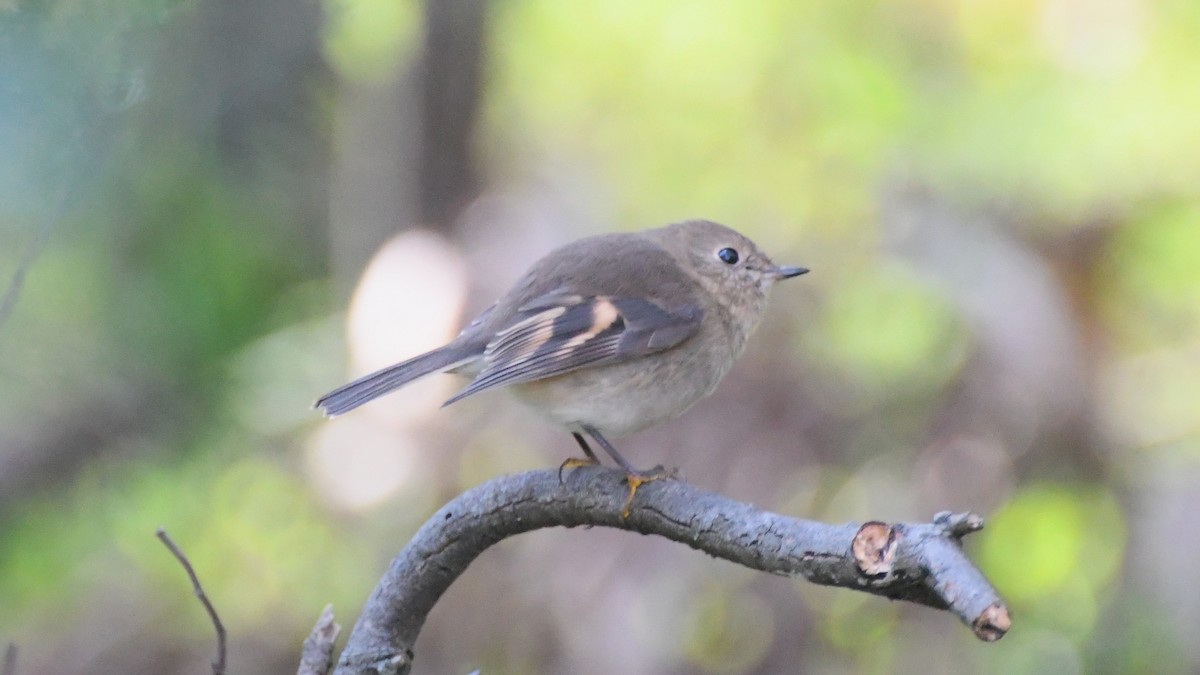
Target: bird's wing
[[560, 332]]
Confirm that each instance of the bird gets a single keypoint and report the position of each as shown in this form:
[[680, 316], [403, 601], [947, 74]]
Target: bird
[[606, 335]]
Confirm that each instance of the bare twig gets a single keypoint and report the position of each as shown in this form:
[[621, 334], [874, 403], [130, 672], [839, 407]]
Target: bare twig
[[918, 562], [317, 657], [218, 665], [10, 660]]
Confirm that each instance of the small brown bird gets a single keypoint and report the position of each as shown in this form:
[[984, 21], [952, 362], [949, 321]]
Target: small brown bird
[[607, 335]]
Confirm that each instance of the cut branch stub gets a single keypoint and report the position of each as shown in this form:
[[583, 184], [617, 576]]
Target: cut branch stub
[[993, 623], [874, 548]]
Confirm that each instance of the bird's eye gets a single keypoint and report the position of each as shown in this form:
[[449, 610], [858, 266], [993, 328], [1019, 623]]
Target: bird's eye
[[728, 256]]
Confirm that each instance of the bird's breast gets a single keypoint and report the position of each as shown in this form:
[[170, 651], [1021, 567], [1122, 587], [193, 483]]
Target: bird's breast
[[627, 397]]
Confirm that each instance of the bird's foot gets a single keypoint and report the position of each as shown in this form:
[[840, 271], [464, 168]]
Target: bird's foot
[[636, 479], [575, 463]]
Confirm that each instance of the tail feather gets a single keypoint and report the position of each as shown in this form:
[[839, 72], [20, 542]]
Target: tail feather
[[367, 388]]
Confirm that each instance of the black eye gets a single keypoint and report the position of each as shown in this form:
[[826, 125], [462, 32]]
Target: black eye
[[728, 256]]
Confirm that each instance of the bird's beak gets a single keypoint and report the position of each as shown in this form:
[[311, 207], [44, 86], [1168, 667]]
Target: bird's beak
[[783, 272]]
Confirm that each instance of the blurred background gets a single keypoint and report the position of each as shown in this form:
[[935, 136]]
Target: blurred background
[[213, 212]]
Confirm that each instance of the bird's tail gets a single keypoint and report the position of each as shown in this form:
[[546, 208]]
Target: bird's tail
[[369, 387]]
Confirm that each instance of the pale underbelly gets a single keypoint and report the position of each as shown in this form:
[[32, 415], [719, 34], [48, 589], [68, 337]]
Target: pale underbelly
[[621, 399]]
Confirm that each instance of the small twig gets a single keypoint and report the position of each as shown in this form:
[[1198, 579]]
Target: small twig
[[317, 657], [218, 665], [10, 660]]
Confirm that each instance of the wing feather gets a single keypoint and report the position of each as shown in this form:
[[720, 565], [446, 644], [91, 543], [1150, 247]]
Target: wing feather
[[565, 332]]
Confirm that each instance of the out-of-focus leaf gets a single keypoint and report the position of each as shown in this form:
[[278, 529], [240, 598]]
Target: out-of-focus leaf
[[1050, 535]]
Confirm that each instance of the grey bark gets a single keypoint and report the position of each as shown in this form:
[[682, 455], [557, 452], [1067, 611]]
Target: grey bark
[[919, 562]]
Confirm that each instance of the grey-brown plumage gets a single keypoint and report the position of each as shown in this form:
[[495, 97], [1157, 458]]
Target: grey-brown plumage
[[609, 334]]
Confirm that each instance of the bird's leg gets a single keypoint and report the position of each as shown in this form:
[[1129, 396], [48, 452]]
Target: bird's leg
[[574, 462], [634, 477]]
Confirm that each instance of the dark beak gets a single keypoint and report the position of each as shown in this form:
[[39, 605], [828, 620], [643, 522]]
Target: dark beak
[[789, 272]]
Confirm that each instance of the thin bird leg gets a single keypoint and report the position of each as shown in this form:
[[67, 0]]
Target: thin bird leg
[[633, 476], [575, 462], [587, 449]]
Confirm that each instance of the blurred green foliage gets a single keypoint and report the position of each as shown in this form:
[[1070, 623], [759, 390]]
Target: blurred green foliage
[[366, 38], [922, 344], [1052, 539]]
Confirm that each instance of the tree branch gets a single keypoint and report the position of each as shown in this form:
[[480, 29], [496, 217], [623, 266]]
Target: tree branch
[[218, 665], [317, 656], [922, 563]]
